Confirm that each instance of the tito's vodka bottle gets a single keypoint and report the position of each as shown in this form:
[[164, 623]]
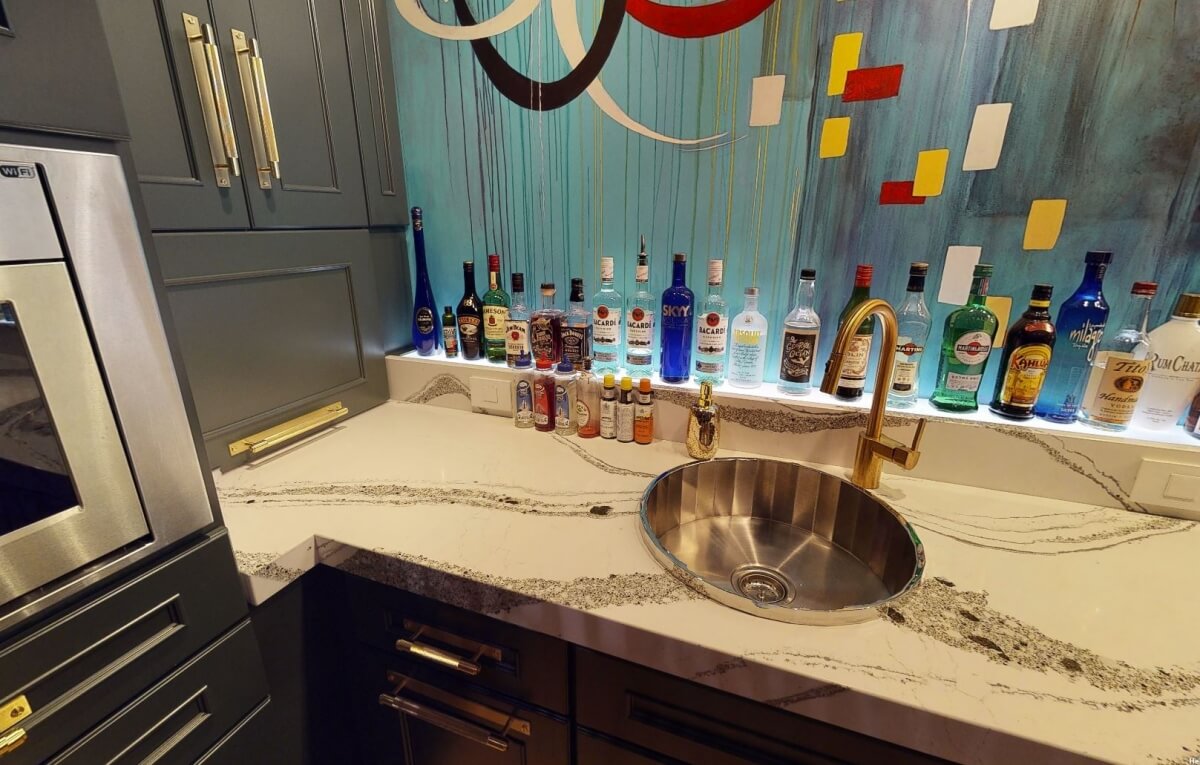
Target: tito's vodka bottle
[[1120, 366], [801, 332], [677, 304], [495, 313], [639, 321], [606, 322], [966, 344], [712, 329], [858, 352], [914, 321], [1080, 326], [1174, 375]]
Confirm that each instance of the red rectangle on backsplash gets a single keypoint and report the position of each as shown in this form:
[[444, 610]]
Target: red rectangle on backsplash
[[871, 84], [898, 193]]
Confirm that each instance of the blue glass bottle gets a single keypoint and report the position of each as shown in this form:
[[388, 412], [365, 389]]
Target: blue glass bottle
[[676, 345], [1080, 326], [425, 327]]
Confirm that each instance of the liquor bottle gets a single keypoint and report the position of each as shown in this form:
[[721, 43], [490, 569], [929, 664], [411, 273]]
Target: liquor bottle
[[1174, 374], [625, 412], [1120, 366], [606, 322], [450, 333], [1080, 324], [639, 321], [801, 333], [424, 324], [1027, 351], [643, 414], [523, 400], [587, 401], [858, 352], [577, 327], [712, 329], [676, 343], [516, 327], [543, 396], [966, 344], [495, 314], [545, 328], [748, 350], [608, 407], [914, 323], [564, 399], [470, 316]]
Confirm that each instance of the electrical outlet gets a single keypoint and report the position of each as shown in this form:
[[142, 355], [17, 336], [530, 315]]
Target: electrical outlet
[[491, 394], [1168, 488]]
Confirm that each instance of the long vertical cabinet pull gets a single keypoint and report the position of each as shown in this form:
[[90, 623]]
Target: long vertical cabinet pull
[[258, 108], [214, 101]]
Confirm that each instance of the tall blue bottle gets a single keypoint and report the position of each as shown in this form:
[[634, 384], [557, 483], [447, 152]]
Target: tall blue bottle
[[677, 304], [425, 326], [1080, 327]]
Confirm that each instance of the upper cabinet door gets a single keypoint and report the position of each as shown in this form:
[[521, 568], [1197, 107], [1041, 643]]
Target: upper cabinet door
[[295, 108], [179, 102]]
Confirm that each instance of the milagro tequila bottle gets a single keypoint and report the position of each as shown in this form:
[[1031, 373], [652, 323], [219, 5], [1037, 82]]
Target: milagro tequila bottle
[[639, 321], [608, 308], [712, 329], [677, 319], [801, 333], [1080, 326], [748, 351]]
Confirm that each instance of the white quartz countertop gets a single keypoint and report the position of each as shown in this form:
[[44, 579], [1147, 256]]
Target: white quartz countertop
[[1044, 631]]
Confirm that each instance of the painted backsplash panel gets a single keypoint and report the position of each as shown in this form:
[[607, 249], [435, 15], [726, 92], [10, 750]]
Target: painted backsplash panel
[[1103, 115]]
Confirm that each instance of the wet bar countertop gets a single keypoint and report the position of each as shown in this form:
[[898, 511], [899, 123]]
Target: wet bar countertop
[[1044, 631]]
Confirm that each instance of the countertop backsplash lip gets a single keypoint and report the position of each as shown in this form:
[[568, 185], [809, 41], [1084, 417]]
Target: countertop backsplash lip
[[983, 662]]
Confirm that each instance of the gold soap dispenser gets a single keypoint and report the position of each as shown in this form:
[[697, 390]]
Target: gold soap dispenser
[[704, 426]]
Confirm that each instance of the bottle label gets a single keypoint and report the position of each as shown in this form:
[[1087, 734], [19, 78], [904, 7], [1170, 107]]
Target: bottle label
[[1086, 335], [606, 269], [516, 342], [605, 326], [468, 329], [643, 423], [450, 340], [908, 364], [854, 363], [541, 337], [523, 404], [745, 355], [972, 347], [639, 328], [961, 382], [563, 410], [625, 422], [543, 395], [709, 367], [582, 413], [712, 334], [1025, 374], [605, 357], [494, 319], [608, 419], [716, 270], [676, 314], [1121, 383], [799, 347], [642, 274], [574, 344], [424, 320]]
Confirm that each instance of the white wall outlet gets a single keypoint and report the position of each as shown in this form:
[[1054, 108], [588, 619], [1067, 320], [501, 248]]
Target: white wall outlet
[[491, 394], [1168, 488]]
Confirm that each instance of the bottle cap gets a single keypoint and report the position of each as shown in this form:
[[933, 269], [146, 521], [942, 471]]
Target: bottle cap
[[609, 380], [418, 225], [547, 288], [705, 393], [576, 289], [751, 292], [564, 366], [518, 282], [1149, 289], [1042, 293], [447, 309], [1187, 306], [984, 269], [543, 364], [644, 385], [1098, 258], [469, 265], [494, 262], [681, 257], [863, 274], [606, 269], [919, 268], [586, 364], [808, 273], [626, 383], [716, 271]]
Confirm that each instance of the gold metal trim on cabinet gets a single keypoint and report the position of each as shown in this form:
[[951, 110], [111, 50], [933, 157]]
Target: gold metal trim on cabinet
[[286, 431], [11, 740], [263, 165], [264, 107], [218, 127], [14, 711]]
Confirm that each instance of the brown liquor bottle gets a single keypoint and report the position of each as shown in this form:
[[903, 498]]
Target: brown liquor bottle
[[1026, 357]]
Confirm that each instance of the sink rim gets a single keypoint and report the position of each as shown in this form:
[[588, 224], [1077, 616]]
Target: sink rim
[[784, 613]]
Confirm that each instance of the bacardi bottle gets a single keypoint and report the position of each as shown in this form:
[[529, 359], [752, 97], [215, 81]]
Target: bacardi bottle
[[608, 308], [495, 314], [712, 329], [966, 345], [677, 304], [639, 321], [801, 333], [1080, 324]]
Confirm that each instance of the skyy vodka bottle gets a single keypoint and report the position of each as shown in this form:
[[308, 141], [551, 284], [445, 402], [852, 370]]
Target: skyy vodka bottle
[[639, 321], [425, 328], [677, 304], [712, 329], [606, 322], [1080, 326]]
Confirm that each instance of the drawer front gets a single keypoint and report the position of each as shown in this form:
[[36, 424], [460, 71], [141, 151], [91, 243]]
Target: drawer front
[[250, 741], [692, 723], [179, 719], [79, 668], [461, 644], [426, 718], [590, 749]]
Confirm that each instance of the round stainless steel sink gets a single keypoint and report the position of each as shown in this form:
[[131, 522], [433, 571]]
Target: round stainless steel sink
[[780, 540]]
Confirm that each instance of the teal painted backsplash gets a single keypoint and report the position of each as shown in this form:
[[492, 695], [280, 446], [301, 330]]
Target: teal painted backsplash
[[1104, 115]]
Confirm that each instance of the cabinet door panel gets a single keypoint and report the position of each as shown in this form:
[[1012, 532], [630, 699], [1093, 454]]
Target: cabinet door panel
[[170, 143]]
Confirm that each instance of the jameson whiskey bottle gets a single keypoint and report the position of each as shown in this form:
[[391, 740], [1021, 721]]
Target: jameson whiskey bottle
[[858, 352], [495, 313], [966, 343], [1026, 357], [470, 316]]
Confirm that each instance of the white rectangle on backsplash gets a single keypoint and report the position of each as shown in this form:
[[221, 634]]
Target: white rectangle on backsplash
[[987, 136], [956, 273], [766, 100], [1007, 14]]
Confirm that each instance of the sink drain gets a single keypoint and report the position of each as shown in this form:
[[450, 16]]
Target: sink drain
[[765, 586]]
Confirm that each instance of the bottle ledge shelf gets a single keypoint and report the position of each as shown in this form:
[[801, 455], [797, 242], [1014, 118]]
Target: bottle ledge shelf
[[768, 392]]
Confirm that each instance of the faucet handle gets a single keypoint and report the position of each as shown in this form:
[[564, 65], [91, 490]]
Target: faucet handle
[[908, 456]]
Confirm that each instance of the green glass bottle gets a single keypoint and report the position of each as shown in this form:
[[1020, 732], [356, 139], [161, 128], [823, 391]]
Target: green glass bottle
[[495, 314], [858, 354], [966, 345]]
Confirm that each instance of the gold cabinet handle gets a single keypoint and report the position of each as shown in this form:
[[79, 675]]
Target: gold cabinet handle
[[469, 666], [12, 739], [258, 107], [446, 722], [293, 428], [214, 101]]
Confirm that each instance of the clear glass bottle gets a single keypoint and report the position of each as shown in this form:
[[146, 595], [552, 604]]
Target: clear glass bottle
[[1080, 324], [546, 327], [577, 326], [1120, 366], [516, 330], [543, 396], [639, 321], [853, 381], [608, 407], [914, 322], [966, 346], [1028, 349], [587, 401], [625, 412], [565, 422], [495, 314], [675, 349], [801, 334], [712, 329], [1174, 375], [748, 349], [607, 310]]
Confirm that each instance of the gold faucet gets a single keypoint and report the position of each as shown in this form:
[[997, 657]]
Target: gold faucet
[[873, 446]]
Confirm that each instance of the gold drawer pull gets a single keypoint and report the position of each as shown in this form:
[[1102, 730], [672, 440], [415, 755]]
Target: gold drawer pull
[[445, 658], [258, 107], [284, 432], [11, 740], [214, 101], [446, 722]]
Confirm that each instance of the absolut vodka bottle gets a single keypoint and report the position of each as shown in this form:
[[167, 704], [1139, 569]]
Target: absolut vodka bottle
[[677, 304], [425, 329], [606, 322], [639, 321], [1080, 326], [712, 329]]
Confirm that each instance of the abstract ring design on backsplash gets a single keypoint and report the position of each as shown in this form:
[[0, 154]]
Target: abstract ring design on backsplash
[[516, 12], [701, 21]]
